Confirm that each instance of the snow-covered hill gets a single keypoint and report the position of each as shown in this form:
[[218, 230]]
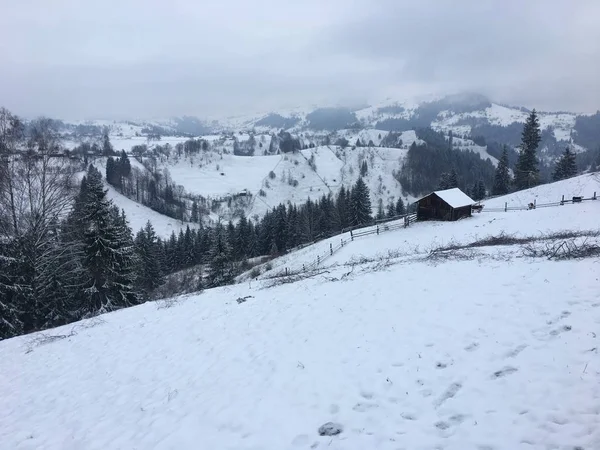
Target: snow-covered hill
[[138, 215], [484, 348], [292, 177]]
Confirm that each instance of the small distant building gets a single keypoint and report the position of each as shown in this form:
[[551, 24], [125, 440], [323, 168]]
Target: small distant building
[[449, 204]]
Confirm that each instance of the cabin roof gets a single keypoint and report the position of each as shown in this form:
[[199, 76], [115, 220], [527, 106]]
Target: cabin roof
[[454, 197]]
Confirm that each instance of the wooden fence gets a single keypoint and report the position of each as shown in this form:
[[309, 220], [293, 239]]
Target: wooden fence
[[378, 227], [535, 205]]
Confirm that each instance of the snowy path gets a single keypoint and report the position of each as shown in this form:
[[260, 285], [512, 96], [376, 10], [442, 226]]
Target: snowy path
[[494, 355]]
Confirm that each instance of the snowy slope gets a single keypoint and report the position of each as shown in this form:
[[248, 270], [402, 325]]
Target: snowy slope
[[424, 236], [494, 352], [294, 178], [138, 215], [580, 186]]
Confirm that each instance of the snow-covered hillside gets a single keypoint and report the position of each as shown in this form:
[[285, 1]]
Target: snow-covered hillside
[[290, 177], [481, 348], [581, 186], [138, 215]]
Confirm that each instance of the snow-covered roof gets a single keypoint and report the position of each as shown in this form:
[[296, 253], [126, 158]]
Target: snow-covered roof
[[454, 197]]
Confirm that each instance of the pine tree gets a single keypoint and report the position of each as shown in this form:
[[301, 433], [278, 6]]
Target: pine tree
[[220, 265], [124, 168], [400, 208], [527, 170], [502, 175], [241, 239], [188, 248], [453, 180], [380, 210], [195, 216], [478, 191], [448, 180], [107, 148], [364, 169], [109, 257], [341, 205], [147, 247], [566, 166], [360, 204], [391, 210]]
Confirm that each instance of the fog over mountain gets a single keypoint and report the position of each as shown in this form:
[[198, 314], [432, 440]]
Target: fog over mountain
[[135, 58]]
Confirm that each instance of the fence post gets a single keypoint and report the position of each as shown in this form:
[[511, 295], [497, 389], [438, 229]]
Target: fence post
[[342, 242], [562, 202], [286, 271], [505, 206], [318, 260], [351, 236], [377, 229], [594, 197], [534, 200], [330, 248], [303, 268]]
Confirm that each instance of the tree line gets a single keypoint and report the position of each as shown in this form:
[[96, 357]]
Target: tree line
[[526, 169]]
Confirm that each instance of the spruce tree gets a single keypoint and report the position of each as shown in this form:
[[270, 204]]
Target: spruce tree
[[527, 170], [124, 169], [380, 210], [364, 169], [342, 207], [452, 179], [391, 210], [242, 239], [566, 166], [107, 148], [109, 257], [400, 208], [147, 245], [502, 175], [220, 265], [360, 204], [479, 191]]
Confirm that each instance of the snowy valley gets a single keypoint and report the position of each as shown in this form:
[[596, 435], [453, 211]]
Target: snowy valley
[[431, 336]]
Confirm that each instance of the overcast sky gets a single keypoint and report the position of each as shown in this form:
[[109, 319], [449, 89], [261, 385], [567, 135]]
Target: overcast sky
[[157, 58]]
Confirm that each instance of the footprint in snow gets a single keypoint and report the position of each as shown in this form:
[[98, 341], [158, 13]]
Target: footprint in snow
[[448, 394], [366, 394], [503, 372], [516, 351], [562, 329], [472, 347], [362, 407], [562, 316]]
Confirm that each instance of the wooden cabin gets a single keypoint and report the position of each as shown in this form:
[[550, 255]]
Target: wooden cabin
[[449, 204]]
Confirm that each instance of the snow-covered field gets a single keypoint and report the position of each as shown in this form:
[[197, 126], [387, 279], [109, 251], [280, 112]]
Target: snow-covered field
[[493, 351]]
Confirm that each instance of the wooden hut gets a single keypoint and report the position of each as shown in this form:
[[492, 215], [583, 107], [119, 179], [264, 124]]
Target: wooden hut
[[449, 204]]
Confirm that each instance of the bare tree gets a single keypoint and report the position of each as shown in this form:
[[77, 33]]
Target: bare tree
[[35, 196]]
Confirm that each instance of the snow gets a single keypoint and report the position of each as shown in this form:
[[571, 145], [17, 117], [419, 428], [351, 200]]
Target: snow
[[222, 175], [138, 215], [432, 233], [496, 352], [580, 186], [455, 197]]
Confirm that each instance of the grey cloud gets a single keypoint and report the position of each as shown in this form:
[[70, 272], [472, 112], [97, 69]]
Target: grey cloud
[[149, 58]]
